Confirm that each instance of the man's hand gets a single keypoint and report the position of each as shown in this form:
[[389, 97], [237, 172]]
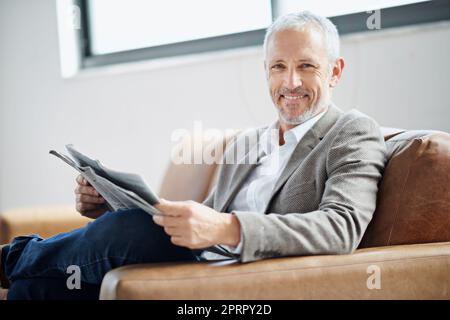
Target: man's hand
[[88, 201], [195, 226]]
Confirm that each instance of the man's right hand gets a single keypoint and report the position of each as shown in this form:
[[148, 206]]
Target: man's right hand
[[88, 201]]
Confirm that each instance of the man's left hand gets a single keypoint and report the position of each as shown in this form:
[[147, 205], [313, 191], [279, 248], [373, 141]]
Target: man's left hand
[[193, 225]]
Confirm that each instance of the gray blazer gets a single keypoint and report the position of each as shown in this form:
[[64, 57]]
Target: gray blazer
[[325, 196]]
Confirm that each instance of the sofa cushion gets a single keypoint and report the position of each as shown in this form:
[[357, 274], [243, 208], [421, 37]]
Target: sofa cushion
[[413, 203], [45, 221], [417, 271]]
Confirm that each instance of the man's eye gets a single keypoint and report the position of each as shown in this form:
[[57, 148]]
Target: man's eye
[[277, 66], [306, 65]]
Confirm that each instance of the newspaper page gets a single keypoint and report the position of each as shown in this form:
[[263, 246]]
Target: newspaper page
[[120, 190]]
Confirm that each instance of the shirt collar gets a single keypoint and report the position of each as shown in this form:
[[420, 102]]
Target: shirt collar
[[269, 139], [300, 130]]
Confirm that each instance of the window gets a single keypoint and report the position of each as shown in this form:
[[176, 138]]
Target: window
[[116, 31], [120, 25]]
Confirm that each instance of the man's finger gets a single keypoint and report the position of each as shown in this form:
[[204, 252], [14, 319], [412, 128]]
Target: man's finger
[[170, 208], [89, 199], [82, 180], [178, 241], [167, 221], [161, 205], [173, 231], [83, 207], [86, 190], [158, 219]]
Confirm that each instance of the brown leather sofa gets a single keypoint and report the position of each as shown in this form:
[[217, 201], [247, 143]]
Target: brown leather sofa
[[406, 246]]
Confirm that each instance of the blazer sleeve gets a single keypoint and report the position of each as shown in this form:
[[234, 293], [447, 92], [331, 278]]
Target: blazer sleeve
[[355, 161]]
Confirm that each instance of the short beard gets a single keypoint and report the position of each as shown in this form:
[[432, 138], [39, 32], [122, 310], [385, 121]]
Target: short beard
[[305, 116]]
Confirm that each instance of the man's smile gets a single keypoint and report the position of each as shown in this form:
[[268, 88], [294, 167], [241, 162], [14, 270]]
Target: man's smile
[[294, 97], [293, 100]]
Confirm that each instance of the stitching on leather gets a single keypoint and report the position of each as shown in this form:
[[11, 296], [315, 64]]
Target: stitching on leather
[[288, 270]]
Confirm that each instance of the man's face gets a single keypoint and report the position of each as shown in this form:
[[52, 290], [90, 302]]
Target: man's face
[[298, 74]]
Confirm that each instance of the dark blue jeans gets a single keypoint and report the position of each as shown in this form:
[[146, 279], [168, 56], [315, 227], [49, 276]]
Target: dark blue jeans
[[38, 268]]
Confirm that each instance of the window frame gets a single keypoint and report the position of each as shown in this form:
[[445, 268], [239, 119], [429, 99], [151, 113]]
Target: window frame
[[391, 17]]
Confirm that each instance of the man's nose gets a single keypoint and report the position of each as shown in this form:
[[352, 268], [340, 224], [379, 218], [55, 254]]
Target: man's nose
[[293, 79]]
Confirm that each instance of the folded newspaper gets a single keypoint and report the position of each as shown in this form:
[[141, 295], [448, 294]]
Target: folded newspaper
[[119, 189]]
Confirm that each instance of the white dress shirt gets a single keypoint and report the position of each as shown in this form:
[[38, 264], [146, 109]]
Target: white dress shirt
[[255, 192]]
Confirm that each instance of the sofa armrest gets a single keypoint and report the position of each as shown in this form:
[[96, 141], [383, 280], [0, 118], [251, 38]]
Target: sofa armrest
[[419, 271], [45, 221]]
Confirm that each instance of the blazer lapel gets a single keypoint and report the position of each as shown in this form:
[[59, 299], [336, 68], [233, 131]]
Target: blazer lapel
[[243, 169], [304, 147]]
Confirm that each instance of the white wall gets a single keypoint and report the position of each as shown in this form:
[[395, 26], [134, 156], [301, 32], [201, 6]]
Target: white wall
[[126, 118]]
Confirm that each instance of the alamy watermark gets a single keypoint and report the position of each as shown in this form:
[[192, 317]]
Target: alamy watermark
[[74, 280], [73, 17], [214, 146], [374, 279], [373, 22]]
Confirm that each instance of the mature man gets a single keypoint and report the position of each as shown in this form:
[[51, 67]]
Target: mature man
[[318, 199]]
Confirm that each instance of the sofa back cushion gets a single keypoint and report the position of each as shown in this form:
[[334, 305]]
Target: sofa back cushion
[[194, 179], [413, 203]]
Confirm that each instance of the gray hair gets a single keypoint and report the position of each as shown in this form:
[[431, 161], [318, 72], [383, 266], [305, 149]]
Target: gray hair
[[297, 21]]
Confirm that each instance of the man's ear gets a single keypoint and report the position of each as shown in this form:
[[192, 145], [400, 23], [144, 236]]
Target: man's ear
[[336, 71]]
